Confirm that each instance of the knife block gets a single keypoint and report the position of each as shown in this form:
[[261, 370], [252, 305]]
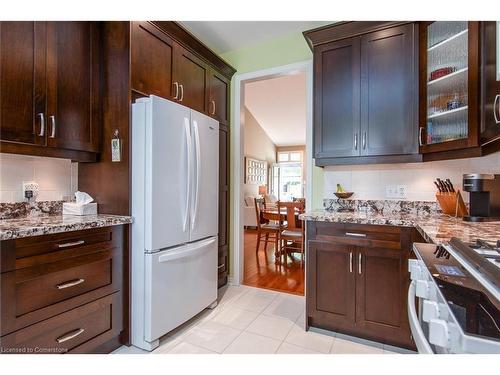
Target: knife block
[[452, 204]]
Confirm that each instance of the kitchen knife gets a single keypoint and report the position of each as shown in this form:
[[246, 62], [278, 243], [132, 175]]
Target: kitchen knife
[[439, 187], [443, 186], [450, 185]]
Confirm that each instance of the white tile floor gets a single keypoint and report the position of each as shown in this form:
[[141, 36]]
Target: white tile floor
[[256, 321]]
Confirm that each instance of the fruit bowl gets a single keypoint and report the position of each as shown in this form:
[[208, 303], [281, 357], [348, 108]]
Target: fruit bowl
[[343, 195]]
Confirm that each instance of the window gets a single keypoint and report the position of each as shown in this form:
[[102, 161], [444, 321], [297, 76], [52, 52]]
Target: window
[[287, 176]]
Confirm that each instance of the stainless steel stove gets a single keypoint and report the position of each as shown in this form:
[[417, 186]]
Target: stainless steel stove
[[458, 290]]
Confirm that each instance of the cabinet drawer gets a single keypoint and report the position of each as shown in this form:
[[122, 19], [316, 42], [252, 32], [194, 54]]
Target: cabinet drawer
[[32, 294], [357, 234], [97, 321], [26, 252]]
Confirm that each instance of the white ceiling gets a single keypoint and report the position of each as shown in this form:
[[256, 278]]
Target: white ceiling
[[279, 106], [224, 36]]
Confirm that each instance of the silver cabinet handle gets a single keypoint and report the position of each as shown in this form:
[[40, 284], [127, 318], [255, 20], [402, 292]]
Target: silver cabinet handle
[[42, 124], [70, 335], [176, 85], [364, 140], [182, 93], [495, 110], [350, 262], [69, 244], [355, 234], [221, 266], [69, 284], [359, 263], [420, 132], [53, 130], [356, 141]]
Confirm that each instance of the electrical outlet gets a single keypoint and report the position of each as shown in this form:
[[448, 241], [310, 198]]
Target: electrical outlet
[[402, 189], [396, 191], [31, 186], [391, 191]]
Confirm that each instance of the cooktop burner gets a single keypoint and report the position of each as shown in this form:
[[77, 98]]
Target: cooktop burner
[[488, 250]]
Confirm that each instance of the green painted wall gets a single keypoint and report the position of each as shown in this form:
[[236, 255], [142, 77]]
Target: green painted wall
[[280, 51]]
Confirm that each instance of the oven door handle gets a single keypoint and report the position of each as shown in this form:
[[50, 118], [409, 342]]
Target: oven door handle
[[418, 334]]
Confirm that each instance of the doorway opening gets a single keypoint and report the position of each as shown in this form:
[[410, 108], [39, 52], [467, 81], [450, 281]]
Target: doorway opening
[[273, 135]]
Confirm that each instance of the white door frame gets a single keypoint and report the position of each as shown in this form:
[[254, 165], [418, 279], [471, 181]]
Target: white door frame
[[238, 156]]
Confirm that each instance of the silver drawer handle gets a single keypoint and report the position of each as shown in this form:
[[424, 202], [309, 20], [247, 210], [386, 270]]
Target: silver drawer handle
[[359, 263], [355, 234], [350, 262], [221, 266], [176, 85], [69, 244], [497, 121], [70, 335], [420, 132], [182, 93], [69, 284]]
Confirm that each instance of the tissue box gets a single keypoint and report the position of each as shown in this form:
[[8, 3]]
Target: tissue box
[[79, 209]]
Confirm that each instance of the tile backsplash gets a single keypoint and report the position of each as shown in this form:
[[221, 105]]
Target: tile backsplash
[[56, 177], [369, 181]]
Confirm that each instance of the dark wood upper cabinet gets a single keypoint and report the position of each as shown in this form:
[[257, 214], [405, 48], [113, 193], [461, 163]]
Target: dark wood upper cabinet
[[73, 94], [490, 83], [152, 54], [389, 92], [218, 105], [365, 92], [22, 82], [337, 99], [449, 87], [332, 287], [50, 89], [191, 75]]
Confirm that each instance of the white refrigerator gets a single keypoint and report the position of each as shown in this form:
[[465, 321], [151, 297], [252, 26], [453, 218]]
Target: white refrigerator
[[175, 159]]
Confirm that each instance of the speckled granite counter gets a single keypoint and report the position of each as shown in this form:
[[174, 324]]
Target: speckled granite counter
[[434, 227], [48, 224]]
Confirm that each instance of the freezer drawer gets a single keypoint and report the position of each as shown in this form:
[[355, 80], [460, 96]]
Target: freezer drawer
[[180, 283]]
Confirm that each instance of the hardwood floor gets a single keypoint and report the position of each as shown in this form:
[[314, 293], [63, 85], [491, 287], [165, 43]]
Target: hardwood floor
[[261, 272]]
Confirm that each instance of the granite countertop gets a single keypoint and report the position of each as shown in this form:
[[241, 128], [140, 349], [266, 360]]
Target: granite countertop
[[48, 224], [434, 227]]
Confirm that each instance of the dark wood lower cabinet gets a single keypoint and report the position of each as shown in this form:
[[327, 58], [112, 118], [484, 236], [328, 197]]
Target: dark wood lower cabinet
[[63, 292], [358, 284]]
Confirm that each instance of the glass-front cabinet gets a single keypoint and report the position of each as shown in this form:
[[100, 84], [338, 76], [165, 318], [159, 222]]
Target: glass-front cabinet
[[449, 61]]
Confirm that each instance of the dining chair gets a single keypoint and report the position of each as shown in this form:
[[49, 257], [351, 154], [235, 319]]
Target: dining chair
[[291, 234], [270, 201], [266, 229]]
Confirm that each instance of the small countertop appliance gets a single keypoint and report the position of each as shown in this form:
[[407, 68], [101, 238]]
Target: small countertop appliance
[[484, 196]]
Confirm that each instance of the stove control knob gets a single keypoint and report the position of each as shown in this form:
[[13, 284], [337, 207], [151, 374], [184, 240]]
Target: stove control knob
[[426, 290], [439, 333], [430, 310]]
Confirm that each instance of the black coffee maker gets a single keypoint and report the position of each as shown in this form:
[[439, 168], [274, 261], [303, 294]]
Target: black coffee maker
[[484, 196]]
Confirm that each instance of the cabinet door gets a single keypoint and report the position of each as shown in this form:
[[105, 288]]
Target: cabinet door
[[331, 285], [191, 74], [490, 84], [73, 85], [381, 285], [337, 99], [449, 86], [22, 82], [223, 205], [151, 60], [389, 92], [218, 106]]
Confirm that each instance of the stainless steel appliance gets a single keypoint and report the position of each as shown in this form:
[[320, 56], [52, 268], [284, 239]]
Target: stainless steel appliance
[[484, 196], [457, 286]]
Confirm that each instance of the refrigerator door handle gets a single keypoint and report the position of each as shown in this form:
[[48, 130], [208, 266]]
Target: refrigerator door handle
[[197, 181], [186, 252], [188, 178]]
